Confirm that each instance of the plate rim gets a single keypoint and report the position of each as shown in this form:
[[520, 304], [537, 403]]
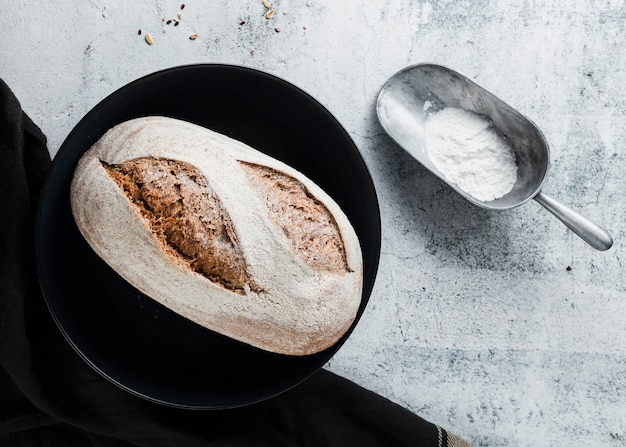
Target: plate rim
[[66, 147]]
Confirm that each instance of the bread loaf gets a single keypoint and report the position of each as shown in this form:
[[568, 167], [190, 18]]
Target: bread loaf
[[220, 233]]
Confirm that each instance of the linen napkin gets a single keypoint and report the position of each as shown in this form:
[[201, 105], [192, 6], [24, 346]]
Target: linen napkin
[[50, 397]]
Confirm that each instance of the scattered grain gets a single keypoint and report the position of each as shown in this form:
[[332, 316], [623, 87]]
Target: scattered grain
[[149, 39], [266, 4], [270, 14], [194, 36]]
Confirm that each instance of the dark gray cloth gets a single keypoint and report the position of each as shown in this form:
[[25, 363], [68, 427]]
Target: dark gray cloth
[[50, 397]]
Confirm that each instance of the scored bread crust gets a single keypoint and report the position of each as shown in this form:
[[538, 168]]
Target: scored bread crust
[[294, 308]]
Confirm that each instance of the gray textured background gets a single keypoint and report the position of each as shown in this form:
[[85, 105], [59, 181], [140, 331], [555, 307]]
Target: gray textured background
[[502, 327]]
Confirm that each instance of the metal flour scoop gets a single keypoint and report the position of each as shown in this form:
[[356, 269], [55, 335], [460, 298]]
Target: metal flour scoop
[[410, 96]]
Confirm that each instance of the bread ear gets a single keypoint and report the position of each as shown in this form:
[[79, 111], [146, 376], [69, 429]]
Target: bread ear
[[221, 234]]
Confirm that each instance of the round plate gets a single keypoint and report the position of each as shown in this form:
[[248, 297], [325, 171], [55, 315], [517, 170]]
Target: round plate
[[132, 340]]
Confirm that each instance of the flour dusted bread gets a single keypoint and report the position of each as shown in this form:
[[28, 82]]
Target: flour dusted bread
[[220, 233]]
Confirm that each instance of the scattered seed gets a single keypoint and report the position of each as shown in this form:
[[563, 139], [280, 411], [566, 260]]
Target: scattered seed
[[266, 4], [176, 22], [182, 6], [149, 39], [277, 29], [568, 268], [180, 15], [270, 14], [194, 36], [139, 32], [165, 30], [253, 52], [243, 22], [169, 22]]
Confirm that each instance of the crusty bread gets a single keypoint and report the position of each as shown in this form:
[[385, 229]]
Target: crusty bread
[[220, 233]]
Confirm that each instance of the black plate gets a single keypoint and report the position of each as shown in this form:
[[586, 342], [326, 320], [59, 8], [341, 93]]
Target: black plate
[[134, 341]]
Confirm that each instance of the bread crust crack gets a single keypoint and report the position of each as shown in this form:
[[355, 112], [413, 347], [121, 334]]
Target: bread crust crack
[[186, 218], [310, 227]]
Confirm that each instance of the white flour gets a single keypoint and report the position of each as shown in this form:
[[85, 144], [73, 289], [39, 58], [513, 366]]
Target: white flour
[[466, 148]]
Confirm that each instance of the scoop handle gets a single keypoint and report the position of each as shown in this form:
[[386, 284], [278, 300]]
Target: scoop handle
[[588, 231]]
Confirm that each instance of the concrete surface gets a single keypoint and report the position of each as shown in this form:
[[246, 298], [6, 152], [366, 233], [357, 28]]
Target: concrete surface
[[504, 328]]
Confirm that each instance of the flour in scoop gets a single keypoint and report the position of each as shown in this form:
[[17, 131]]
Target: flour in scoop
[[469, 152]]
